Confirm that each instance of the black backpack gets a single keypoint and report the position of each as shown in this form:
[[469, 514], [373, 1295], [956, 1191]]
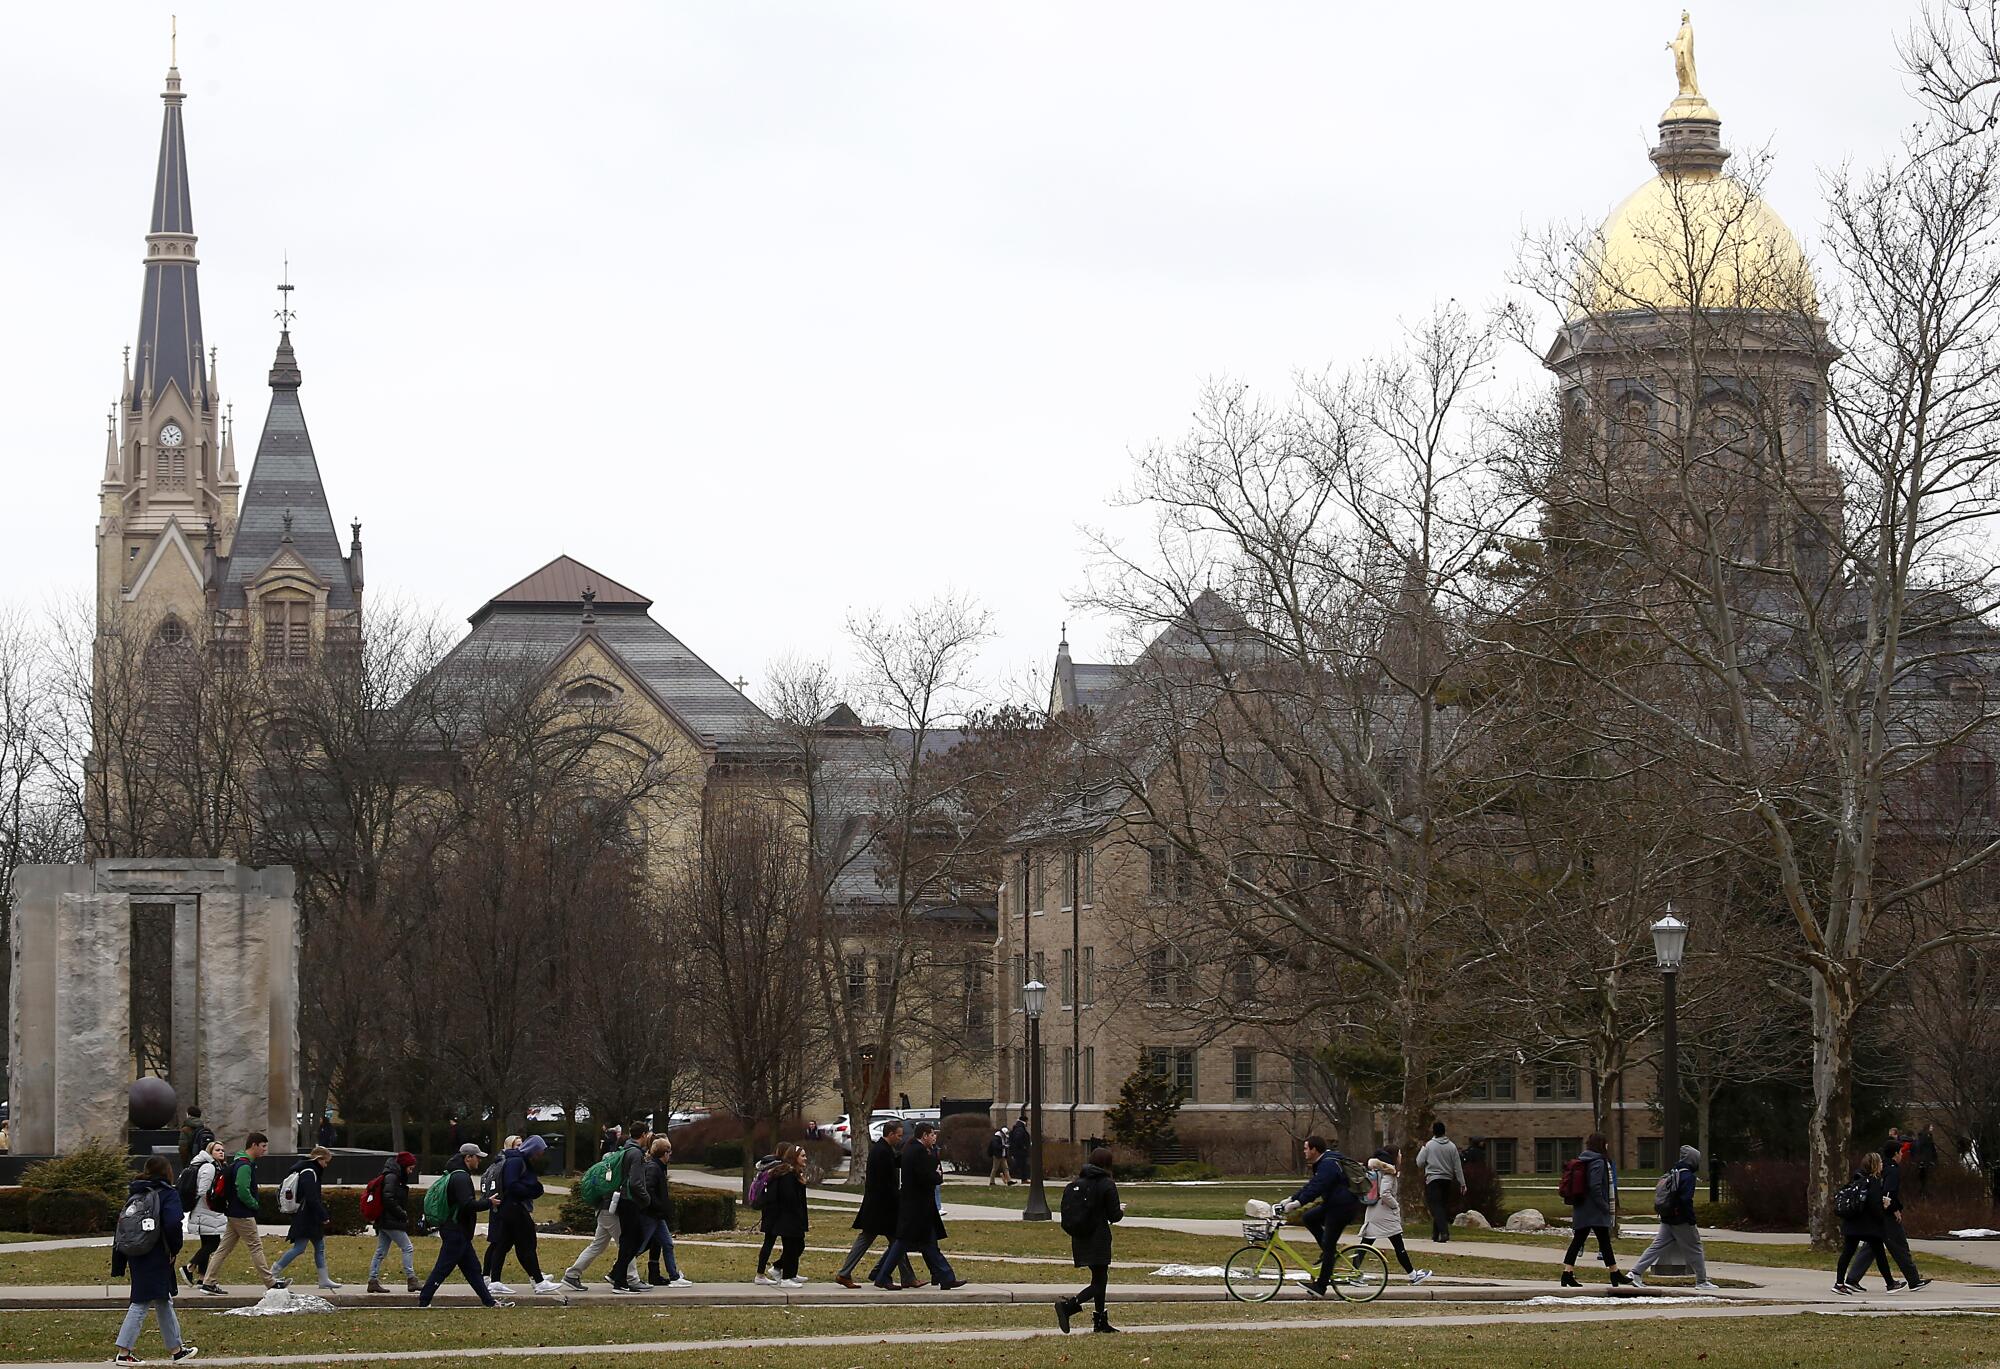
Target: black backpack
[[1851, 1199], [138, 1224], [189, 1184], [1076, 1218]]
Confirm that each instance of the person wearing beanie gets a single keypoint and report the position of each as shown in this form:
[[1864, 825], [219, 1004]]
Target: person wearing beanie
[[399, 1171], [1674, 1202]]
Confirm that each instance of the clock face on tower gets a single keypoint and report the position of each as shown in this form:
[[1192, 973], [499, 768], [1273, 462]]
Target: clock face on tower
[[170, 436]]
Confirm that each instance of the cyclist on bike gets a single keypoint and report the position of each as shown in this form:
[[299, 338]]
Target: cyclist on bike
[[1338, 1206]]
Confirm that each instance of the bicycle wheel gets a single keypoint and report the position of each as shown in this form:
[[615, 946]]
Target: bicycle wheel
[[1360, 1273], [1254, 1273]]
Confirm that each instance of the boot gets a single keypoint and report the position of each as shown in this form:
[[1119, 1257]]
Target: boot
[[1569, 1279], [1619, 1279], [416, 1284], [377, 1286], [1065, 1309], [1102, 1322]]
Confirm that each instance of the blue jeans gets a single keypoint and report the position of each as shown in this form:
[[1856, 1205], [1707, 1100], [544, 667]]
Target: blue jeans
[[135, 1318], [399, 1239], [661, 1248], [935, 1263], [318, 1244]]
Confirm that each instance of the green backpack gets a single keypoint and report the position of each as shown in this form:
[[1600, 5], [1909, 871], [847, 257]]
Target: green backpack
[[437, 1201], [601, 1178]]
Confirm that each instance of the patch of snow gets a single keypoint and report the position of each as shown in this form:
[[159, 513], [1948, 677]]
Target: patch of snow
[[1976, 1233], [281, 1302], [1604, 1300], [1212, 1271]]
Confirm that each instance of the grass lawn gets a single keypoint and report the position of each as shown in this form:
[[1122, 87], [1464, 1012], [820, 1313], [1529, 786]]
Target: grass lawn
[[1733, 1343]]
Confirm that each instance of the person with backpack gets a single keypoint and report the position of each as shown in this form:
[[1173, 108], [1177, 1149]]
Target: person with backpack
[[195, 1137], [635, 1195], [1673, 1202], [489, 1192], [1336, 1206], [392, 1220], [201, 1218], [147, 1238], [754, 1198], [451, 1204], [513, 1224], [783, 1213], [1589, 1185], [919, 1223], [1382, 1210], [1893, 1236], [1444, 1171], [301, 1196], [1018, 1144], [600, 1185], [1863, 1208], [241, 1206], [996, 1152], [876, 1216], [1089, 1208], [660, 1241]]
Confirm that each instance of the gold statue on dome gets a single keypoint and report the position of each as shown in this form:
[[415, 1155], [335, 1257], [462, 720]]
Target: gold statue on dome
[[1683, 49]]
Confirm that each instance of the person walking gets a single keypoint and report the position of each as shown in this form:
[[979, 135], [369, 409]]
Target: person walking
[[919, 1222], [607, 1221], [876, 1216], [1444, 1180], [195, 1137], [1862, 1207], [152, 1269], [1595, 1213], [660, 1243], [1333, 1203], [1018, 1145], [461, 1219], [392, 1228], [1926, 1158], [1674, 1203], [610, 1139], [996, 1155], [326, 1135], [310, 1220], [1089, 1208], [784, 1214], [204, 1220], [489, 1194], [1382, 1219], [1893, 1235], [241, 1201], [766, 1167], [512, 1226], [635, 1187]]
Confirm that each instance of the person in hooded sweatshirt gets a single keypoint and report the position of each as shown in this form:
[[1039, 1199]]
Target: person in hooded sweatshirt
[[1090, 1246], [462, 1203], [399, 1171], [153, 1272], [513, 1227], [1677, 1227], [1595, 1214], [310, 1223]]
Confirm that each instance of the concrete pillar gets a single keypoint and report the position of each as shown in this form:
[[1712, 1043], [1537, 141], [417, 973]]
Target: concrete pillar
[[93, 1056], [235, 1015], [185, 1071], [276, 889], [31, 1017]]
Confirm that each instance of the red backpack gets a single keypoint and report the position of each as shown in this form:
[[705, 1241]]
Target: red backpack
[[371, 1199], [1574, 1186], [218, 1192]]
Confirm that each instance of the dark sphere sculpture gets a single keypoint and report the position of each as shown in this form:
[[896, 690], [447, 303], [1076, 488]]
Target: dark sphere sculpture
[[153, 1103]]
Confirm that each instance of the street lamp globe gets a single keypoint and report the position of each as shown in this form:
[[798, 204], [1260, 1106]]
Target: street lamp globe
[[1670, 936], [1032, 994]]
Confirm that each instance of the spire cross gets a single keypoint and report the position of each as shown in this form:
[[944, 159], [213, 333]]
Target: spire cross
[[173, 40], [285, 287]]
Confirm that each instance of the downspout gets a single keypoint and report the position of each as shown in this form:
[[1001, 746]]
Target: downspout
[[1075, 987]]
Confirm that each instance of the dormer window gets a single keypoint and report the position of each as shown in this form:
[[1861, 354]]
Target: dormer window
[[287, 633], [590, 694]]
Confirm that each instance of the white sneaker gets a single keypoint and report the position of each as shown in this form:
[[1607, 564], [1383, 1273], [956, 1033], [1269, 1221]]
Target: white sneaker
[[330, 1285], [1419, 1275], [791, 1283], [546, 1286], [1706, 1287], [1635, 1281], [765, 1279], [682, 1282], [498, 1289]]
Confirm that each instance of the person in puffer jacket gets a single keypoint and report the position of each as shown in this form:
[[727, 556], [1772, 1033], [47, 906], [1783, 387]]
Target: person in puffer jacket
[[206, 1223]]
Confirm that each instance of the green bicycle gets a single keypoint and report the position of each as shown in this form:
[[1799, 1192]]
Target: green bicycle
[[1256, 1272]]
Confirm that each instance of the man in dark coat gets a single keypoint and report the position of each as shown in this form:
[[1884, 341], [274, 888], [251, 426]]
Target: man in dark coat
[[919, 1225], [1090, 1205], [462, 1204], [1893, 1237], [635, 1195], [1329, 1188], [877, 1214], [1017, 1149], [153, 1272]]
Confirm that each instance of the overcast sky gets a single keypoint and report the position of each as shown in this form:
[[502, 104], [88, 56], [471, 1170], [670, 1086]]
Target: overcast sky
[[779, 311]]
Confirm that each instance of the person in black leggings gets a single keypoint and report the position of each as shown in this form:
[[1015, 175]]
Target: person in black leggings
[[1090, 1206], [1382, 1209], [1862, 1231], [1596, 1213]]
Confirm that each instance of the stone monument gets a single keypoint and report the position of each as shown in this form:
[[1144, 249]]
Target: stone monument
[[213, 990]]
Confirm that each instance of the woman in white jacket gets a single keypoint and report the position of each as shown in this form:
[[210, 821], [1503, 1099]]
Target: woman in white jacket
[[1382, 1218], [203, 1220]]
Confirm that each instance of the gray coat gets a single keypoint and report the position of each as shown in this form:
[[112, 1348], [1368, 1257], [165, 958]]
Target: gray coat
[[1601, 1199]]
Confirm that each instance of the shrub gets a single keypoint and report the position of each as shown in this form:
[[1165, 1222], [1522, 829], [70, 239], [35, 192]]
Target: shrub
[[1131, 1164], [577, 1215], [695, 1210], [827, 1156], [1144, 1113], [71, 1212], [343, 1205], [1241, 1149], [96, 1168], [697, 1137], [1483, 1193], [964, 1144], [14, 1209], [1768, 1195], [1953, 1199], [1186, 1171], [723, 1155]]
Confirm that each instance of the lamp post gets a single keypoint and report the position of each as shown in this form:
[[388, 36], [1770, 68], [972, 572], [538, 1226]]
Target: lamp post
[[1032, 995], [1670, 936]]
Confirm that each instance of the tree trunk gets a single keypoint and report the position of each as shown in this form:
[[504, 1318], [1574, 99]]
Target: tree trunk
[[1704, 1107], [857, 1139], [1833, 1100], [396, 1122]]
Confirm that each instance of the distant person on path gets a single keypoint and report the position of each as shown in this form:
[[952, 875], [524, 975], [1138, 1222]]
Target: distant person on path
[[1018, 1145], [1596, 1212], [195, 1137], [205, 1221], [1336, 1206], [399, 1171], [1677, 1225], [784, 1214], [876, 1216], [1382, 1220], [1089, 1208], [152, 1270], [634, 1196], [996, 1152], [310, 1223], [660, 1241], [1444, 1172], [240, 1206], [919, 1224], [512, 1228], [609, 1140], [1926, 1159], [462, 1203], [1861, 1228], [1893, 1236], [766, 1167], [326, 1136]]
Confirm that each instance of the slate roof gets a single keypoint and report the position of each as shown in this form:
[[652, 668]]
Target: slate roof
[[285, 480], [560, 584], [170, 343]]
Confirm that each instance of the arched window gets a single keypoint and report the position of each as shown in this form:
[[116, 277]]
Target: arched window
[[590, 693]]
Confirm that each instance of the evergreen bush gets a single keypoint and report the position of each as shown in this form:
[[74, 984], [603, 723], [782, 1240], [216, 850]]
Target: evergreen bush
[[95, 1167], [72, 1212]]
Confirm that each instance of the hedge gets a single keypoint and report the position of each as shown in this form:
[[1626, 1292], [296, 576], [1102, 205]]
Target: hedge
[[723, 1155], [342, 1204], [70, 1212], [695, 1210]]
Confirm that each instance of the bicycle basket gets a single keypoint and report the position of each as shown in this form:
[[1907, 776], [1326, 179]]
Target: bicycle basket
[[1260, 1231]]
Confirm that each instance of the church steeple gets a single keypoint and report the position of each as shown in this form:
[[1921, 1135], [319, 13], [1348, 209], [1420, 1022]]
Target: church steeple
[[170, 340]]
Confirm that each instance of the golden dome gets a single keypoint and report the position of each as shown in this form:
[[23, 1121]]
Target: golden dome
[[1694, 236]]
